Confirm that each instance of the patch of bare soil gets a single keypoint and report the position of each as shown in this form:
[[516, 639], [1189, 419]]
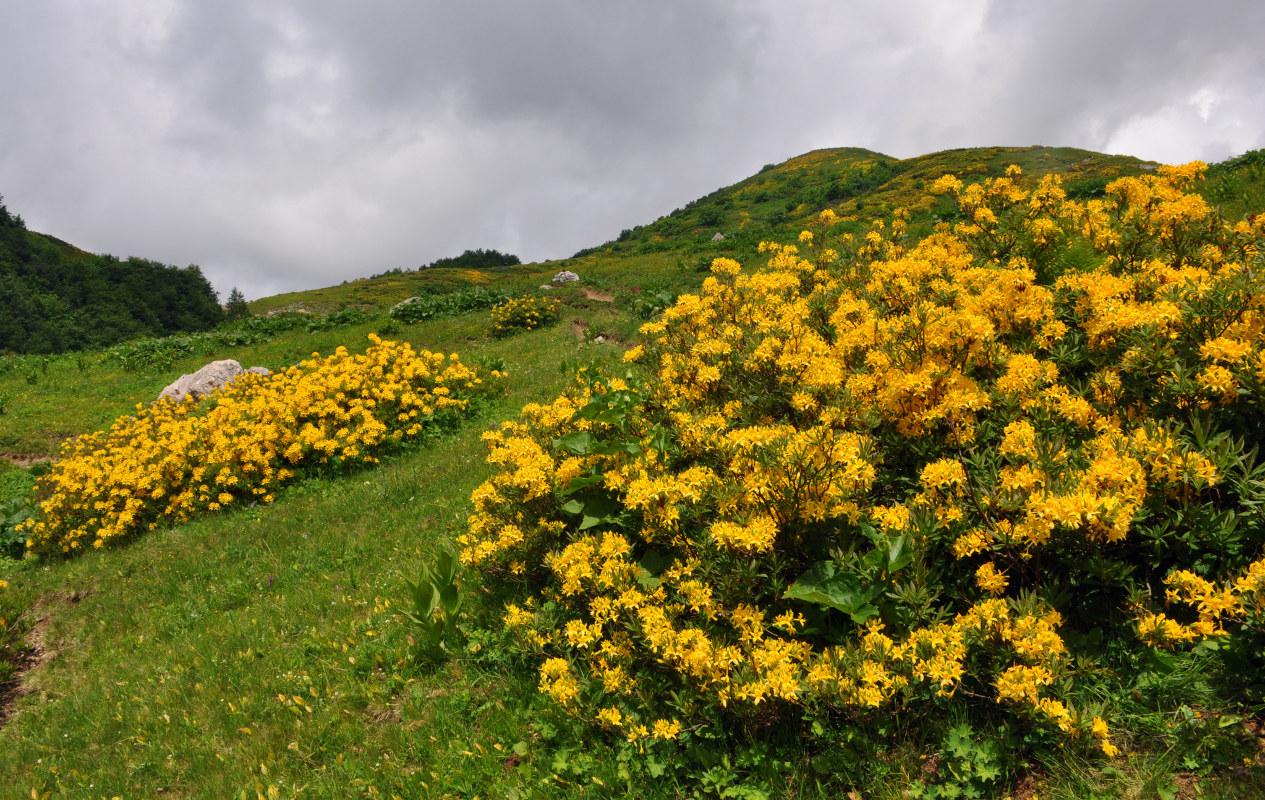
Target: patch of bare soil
[[35, 653], [594, 294], [24, 462], [578, 327]]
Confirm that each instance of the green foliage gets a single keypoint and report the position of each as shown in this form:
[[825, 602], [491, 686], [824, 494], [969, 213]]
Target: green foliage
[[449, 304], [13, 512], [710, 217], [158, 355], [236, 307], [476, 259], [339, 319], [968, 769], [55, 297], [15, 507], [653, 300], [436, 599]]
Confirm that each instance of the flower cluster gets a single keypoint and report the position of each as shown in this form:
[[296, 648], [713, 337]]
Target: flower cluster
[[523, 314], [1241, 599], [172, 461], [867, 473]]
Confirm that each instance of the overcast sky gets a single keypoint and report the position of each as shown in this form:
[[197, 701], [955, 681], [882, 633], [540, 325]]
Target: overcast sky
[[293, 144]]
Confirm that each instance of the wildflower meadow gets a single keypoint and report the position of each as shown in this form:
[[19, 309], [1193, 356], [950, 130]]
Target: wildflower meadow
[[951, 489], [978, 472], [172, 460]]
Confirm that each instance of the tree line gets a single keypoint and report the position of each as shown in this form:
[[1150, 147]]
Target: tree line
[[55, 297]]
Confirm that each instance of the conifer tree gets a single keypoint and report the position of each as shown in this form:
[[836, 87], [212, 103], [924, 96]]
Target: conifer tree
[[236, 307]]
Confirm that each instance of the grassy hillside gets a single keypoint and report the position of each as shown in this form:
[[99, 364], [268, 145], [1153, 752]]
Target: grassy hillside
[[263, 651], [777, 202]]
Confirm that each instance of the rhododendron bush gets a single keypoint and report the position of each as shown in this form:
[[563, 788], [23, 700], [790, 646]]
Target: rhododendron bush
[[889, 471], [172, 461]]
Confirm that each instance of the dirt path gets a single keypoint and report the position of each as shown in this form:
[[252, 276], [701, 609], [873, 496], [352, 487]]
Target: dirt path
[[594, 294], [24, 462], [35, 653]]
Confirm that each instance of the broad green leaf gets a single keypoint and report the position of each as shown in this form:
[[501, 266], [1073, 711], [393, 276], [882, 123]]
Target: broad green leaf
[[823, 586], [582, 482], [899, 555], [578, 442]]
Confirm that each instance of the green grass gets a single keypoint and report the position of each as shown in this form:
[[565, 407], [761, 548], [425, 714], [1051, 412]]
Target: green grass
[[170, 667], [175, 644]]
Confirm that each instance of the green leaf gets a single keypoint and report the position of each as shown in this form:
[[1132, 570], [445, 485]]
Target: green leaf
[[592, 522], [582, 482], [823, 586], [579, 442], [615, 448], [600, 511], [450, 599], [446, 567], [573, 507], [899, 555]]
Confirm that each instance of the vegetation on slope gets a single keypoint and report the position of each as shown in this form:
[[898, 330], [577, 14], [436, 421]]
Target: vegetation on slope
[[55, 297], [282, 648]]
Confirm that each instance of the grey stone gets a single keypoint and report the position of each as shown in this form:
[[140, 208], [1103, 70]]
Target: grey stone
[[215, 375], [719, 237], [566, 276]]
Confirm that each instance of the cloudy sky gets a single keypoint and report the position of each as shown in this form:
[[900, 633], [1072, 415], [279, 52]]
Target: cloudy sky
[[292, 144]]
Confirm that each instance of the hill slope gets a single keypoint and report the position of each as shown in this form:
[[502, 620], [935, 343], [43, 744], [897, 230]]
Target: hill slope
[[273, 658], [776, 201], [55, 297]]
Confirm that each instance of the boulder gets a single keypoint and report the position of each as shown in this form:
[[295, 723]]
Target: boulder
[[719, 237], [566, 276], [215, 375]]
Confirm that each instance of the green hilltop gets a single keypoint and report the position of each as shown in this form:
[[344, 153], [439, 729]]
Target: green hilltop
[[775, 202]]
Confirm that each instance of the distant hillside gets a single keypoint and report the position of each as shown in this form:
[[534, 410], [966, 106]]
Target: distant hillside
[[776, 201], [55, 297]]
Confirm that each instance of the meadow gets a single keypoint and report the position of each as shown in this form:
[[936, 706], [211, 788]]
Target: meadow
[[893, 509]]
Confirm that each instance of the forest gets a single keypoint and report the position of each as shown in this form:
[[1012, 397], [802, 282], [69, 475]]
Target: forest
[[56, 298]]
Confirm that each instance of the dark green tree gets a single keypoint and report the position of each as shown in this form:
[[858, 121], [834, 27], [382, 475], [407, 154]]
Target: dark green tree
[[236, 307]]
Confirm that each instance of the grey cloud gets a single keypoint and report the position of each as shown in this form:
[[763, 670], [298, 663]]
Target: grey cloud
[[298, 143]]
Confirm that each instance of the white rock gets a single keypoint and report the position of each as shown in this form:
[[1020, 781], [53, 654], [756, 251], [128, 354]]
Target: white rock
[[566, 276], [215, 375]]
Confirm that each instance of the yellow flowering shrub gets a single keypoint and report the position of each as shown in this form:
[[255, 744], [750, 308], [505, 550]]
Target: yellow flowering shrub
[[172, 461], [523, 314], [895, 469]]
